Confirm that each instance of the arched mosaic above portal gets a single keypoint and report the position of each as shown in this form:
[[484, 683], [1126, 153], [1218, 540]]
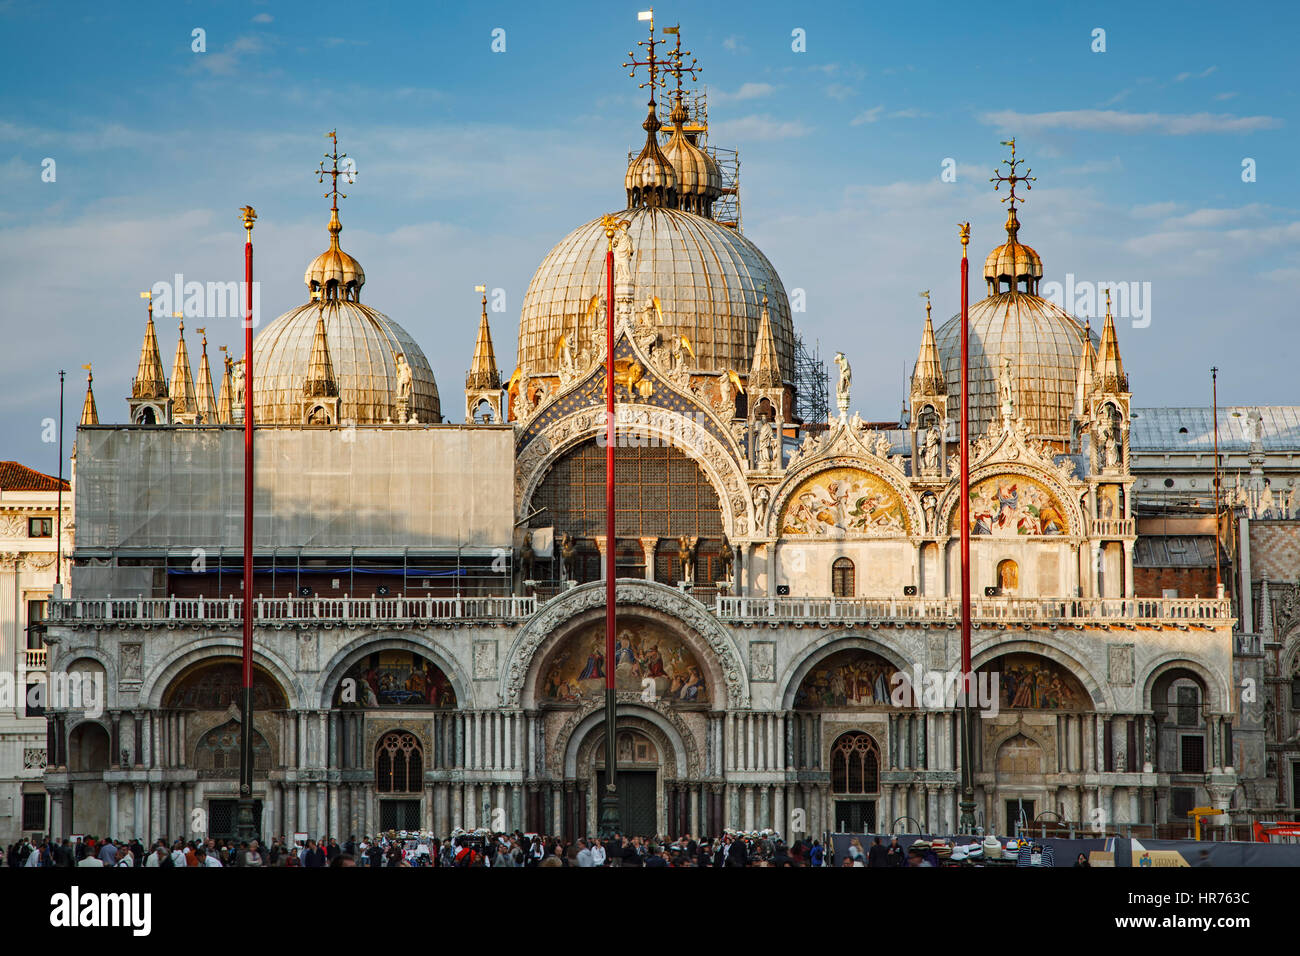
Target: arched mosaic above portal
[[852, 678], [649, 660], [841, 502], [395, 678], [1008, 506]]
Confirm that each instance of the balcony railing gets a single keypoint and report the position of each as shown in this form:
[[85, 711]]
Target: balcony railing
[[1114, 527], [35, 658], [1173, 611], [165, 611]]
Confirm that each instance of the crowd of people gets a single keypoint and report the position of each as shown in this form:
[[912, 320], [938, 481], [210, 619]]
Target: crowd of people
[[478, 848]]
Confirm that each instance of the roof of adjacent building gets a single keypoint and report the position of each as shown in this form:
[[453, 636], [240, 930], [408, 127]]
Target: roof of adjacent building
[[1192, 429], [18, 477], [1174, 551]]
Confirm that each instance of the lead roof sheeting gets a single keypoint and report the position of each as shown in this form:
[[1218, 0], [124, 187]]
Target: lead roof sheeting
[[1157, 429]]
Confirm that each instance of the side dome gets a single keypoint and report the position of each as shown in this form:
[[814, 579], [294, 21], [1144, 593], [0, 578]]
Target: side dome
[[1044, 344], [363, 347], [1013, 264], [709, 280], [364, 350]]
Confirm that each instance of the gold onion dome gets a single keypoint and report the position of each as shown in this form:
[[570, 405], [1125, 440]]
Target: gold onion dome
[[334, 273], [1013, 263], [651, 179], [699, 181]]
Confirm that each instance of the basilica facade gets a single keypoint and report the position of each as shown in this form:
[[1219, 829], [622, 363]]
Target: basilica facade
[[429, 610]]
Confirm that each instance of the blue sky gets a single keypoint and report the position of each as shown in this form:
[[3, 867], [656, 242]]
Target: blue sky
[[472, 164]]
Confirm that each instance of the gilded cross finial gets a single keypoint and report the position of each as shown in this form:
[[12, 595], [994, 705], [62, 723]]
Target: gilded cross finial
[[651, 62], [348, 172], [677, 60], [1012, 176]]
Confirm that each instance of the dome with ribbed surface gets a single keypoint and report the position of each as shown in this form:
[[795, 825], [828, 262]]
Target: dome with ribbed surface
[[363, 348], [1044, 344], [709, 280]]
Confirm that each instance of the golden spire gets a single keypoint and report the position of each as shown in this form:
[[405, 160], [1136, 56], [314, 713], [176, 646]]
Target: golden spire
[[927, 377], [766, 369], [1086, 379], [182, 388], [150, 382], [320, 369], [483, 371], [349, 176], [203, 401], [1110, 367], [89, 413], [226, 399]]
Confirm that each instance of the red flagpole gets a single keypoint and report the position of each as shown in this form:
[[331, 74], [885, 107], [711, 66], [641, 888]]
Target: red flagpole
[[966, 822], [245, 825], [610, 815]]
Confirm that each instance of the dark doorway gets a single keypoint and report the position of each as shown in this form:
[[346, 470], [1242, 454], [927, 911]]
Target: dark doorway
[[1295, 783], [855, 816], [637, 796], [1015, 808], [399, 814]]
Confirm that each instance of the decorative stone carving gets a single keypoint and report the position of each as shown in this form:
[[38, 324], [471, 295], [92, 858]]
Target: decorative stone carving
[[307, 651], [843, 386], [1119, 660], [762, 495], [485, 660], [33, 758], [130, 661], [762, 661]]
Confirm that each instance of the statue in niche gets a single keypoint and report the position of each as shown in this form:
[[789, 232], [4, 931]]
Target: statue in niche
[[767, 450], [761, 497], [1108, 442], [527, 558], [728, 558], [568, 551], [686, 558], [930, 454], [929, 503]]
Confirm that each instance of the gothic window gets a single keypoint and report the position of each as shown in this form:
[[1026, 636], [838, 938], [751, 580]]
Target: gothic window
[[842, 578], [855, 764], [1295, 693], [399, 764]]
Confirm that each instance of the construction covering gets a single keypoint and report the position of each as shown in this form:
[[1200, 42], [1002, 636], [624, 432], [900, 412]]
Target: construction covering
[[151, 489]]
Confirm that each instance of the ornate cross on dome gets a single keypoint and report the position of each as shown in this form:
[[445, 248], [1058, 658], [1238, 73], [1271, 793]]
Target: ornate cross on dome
[[651, 62], [1012, 176], [349, 171], [677, 60]]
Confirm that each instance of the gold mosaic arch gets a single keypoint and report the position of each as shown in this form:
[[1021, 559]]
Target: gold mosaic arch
[[1011, 504], [843, 501]]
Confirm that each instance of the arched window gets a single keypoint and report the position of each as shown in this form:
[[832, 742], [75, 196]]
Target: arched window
[[842, 582], [1008, 576], [399, 763], [855, 764]]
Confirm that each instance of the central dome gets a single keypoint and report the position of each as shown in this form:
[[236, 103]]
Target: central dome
[[1044, 343], [709, 280]]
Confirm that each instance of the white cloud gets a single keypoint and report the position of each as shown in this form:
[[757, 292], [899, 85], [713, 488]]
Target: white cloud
[[263, 18], [1114, 121], [1200, 76], [867, 116], [747, 91], [756, 128]]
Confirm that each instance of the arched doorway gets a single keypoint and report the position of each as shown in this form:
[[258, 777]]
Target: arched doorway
[[1020, 772], [88, 759], [637, 763], [855, 781]]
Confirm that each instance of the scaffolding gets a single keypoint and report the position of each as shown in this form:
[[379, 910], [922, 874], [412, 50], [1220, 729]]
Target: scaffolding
[[726, 208], [811, 393]]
